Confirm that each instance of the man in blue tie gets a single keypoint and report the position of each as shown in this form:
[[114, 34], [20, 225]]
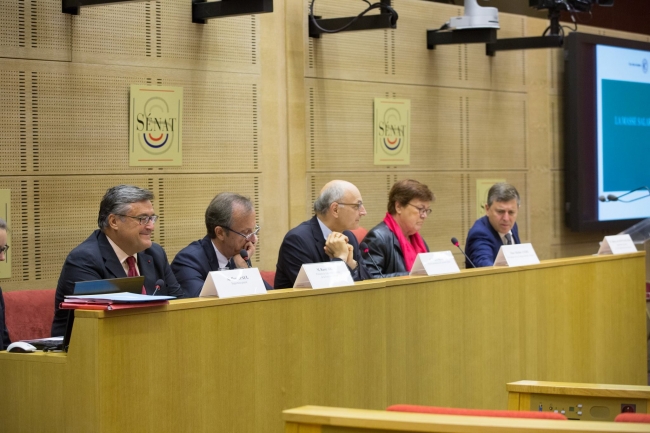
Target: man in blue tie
[[498, 226]]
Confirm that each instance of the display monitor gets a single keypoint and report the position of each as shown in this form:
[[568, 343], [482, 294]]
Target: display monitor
[[607, 132]]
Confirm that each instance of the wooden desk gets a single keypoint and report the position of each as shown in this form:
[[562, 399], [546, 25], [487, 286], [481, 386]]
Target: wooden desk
[[318, 419], [233, 365], [582, 401]]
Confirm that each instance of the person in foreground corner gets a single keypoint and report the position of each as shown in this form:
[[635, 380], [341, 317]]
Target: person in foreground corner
[[230, 222], [498, 226], [395, 242], [121, 247], [326, 236], [4, 334]]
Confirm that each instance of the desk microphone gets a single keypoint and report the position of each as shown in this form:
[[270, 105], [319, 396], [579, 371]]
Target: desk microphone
[[244, 255], [159, 284], [365, 250], [455, 242], [612, 197]]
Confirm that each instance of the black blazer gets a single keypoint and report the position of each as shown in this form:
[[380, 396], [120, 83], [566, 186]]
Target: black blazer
[[95, 259], [483, 243], [305, 244], [385, 249], [193, 263], [4, 334]]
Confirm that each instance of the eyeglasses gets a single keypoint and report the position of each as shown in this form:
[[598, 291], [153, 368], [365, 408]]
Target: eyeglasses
[[4, 249], [422, 210], [355, 206], [248, 236], [143, 220]]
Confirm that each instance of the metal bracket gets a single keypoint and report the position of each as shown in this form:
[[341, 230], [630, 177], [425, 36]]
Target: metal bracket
[[73, 7], [465, 36], [552, 41], [202, 11], [383, 20]]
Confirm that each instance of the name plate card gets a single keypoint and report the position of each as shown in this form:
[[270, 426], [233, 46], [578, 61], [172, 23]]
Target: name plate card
[[438, 263], [619, 244], [323, 275], [236, 282], [516, 255]]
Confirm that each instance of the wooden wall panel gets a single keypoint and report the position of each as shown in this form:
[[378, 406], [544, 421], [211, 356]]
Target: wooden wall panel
[[114, 31], [446, 65], [161, 34], [506, 70], [182, 202], [13, 130], [34, 29], [451, 128], [74, 118], [348, 54]]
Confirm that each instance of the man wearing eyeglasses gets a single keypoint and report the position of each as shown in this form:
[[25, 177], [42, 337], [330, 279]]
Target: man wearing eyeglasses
[[121, 247], [326, 236], [230, 223]]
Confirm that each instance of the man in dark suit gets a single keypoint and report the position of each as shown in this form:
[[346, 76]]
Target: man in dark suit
[[326, 236], [121, 247], [230, 222], [498, 226]]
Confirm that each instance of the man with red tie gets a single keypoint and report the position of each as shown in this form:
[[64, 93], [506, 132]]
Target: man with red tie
[[121, 247]]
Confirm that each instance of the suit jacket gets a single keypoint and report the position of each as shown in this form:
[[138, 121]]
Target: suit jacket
[[193, 263], [95, 259], [4, 334], [305, 244], [384, 248], [483, 243]]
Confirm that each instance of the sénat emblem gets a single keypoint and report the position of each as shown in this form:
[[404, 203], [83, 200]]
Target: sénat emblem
[[392, 131], [155, 126]]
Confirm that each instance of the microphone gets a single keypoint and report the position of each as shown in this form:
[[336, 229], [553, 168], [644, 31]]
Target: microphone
[[159, 284], [455, 242], [612, 197], [244, 255], [365, 250]]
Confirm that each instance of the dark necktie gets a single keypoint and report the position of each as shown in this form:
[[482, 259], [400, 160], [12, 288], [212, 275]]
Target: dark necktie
[[133, 271], [508, 239]]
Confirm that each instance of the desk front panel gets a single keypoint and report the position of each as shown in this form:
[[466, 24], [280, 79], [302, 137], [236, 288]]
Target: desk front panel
[[234, 365]]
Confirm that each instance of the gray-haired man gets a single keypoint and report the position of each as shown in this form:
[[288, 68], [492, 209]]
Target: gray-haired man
[[121, 247], [326, 236]]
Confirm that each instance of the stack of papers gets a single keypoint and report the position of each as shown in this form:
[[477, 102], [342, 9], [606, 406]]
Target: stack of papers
[[113, 301]]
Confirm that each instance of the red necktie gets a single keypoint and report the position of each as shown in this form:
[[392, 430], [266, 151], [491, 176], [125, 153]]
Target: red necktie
[[133, 272]]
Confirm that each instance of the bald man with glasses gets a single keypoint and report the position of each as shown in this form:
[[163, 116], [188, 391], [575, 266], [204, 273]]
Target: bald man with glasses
[[121, 247], [230, 224], [326, 236]]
